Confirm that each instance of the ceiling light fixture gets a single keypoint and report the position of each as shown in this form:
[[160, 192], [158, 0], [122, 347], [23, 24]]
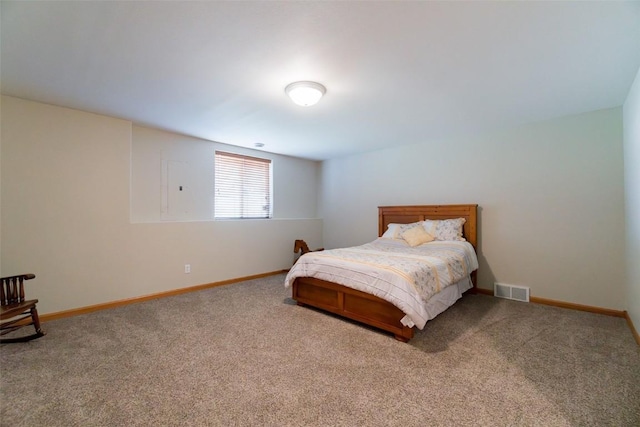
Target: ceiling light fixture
[[305, 94]]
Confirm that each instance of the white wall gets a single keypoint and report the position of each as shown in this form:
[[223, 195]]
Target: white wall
[[632, 197], [550, 197], [294, 179], [66, 209]]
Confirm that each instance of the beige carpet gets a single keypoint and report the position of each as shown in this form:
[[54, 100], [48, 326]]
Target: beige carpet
[[244, 354]]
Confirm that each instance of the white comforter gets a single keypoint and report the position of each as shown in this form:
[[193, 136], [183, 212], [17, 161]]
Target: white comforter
[[390, 269]]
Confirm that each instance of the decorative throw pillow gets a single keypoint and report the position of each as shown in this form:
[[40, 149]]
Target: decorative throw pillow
[[395, 230], [415, 236], [445, 229]]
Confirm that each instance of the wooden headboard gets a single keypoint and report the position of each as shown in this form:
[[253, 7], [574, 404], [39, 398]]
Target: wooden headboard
[[409, 214]]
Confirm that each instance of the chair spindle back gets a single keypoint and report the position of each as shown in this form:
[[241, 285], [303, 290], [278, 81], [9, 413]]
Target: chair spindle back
[[12, 289]]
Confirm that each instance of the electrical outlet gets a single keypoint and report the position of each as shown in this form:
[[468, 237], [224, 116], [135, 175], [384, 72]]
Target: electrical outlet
[[187, 268]]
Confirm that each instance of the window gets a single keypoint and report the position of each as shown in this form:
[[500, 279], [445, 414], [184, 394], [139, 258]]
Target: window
[[242, 186]]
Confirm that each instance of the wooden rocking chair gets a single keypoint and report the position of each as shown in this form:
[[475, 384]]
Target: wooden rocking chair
[[302, 247], [15, 310]]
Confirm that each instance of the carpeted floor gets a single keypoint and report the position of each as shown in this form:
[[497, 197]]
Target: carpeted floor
[[245, 354]]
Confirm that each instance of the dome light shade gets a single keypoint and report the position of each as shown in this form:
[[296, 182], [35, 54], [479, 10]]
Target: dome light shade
[[305, 93]]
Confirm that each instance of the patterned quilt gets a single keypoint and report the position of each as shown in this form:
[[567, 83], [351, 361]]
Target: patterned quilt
[[390, 269]]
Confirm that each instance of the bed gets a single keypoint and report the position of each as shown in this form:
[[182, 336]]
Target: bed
[[345, 299]]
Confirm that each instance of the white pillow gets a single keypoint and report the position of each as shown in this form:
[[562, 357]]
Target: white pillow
[[445, 229], [392, 231]]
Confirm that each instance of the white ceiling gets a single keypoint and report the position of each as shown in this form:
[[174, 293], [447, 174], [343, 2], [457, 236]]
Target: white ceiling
[[395, 72]]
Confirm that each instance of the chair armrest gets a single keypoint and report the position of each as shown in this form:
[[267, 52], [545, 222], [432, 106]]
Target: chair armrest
[[28, 276]]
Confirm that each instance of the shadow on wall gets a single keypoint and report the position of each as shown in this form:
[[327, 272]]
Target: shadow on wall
[[486, 278]]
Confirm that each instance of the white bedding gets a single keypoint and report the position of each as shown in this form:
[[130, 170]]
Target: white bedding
[[417, 280]]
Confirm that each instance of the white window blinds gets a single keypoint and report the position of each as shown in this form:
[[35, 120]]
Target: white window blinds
[[242, 186]]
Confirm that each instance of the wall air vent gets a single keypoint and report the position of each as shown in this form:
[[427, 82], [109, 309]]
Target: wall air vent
[[518, 293]]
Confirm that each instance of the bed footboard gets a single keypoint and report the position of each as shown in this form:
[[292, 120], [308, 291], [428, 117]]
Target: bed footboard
[[351, 303]]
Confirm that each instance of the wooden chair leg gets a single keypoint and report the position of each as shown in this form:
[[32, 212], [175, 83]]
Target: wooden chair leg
[[35, 320]]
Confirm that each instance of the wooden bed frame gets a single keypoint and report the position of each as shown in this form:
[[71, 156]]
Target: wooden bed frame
[[369, 309]]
